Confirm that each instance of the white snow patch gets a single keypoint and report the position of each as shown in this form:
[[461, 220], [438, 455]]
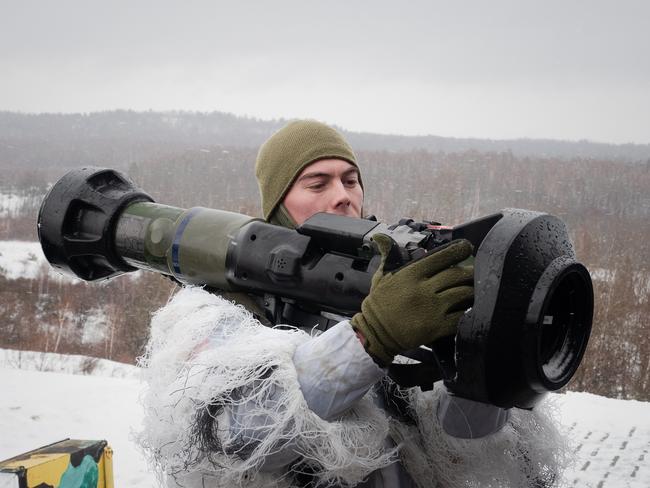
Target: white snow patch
[[171, 120], [25, 259], [95, 326], [596, 410], [40, 408], [11, 203], [610, 438], [65, 363], [641, 283], [602, 274], [640, 280], [21, 259]]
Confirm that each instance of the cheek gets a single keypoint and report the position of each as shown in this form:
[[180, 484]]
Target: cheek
[[357, 197], [303, 204]]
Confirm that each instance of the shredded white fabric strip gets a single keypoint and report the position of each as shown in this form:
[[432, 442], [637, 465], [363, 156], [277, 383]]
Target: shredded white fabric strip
[[224, 406], [334, 372], [231, 403]]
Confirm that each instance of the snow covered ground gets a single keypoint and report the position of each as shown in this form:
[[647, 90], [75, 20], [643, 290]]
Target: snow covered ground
[[12, 203], [40, 407], [24, 259], [611, 438]]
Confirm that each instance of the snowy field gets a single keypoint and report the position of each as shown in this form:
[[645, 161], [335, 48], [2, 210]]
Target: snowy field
[[41, 407], [24, 259], [12, 204], [611, 438]]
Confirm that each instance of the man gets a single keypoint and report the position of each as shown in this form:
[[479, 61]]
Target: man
[[234, 403], [306, 168]]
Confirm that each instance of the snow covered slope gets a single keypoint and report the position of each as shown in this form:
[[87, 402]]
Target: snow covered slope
[[25, 259], [611, 437], [38, 408]]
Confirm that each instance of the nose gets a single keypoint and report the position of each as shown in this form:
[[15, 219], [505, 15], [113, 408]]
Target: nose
[[340, 196]]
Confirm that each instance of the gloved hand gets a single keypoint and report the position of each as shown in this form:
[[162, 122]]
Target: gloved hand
[[415, 304]]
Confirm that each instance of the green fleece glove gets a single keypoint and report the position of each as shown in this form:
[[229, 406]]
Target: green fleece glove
[[415, 304]]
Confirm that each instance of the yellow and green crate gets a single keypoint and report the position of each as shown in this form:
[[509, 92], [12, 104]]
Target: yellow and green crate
[[70, 463]]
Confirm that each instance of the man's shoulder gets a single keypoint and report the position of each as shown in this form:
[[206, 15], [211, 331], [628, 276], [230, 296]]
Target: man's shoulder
[[246, 301]]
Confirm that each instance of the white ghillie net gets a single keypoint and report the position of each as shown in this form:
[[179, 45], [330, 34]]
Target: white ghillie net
[[223, 404], [529, 451], [224, 408]]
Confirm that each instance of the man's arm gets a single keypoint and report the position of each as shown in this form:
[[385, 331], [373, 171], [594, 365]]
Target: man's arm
[[333, 371], [405, 308]]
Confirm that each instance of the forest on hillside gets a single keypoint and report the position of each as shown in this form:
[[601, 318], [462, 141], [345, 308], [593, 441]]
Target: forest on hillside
[[121, 137], [604, 201]]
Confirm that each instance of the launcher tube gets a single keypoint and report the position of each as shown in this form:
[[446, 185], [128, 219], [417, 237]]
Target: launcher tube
[[190, 245]]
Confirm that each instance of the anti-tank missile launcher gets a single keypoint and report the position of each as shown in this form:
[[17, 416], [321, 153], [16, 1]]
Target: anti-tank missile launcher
[[524, 336]]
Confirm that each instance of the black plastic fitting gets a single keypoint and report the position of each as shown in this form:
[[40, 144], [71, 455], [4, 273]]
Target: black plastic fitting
[[532, 314], [77, 219]]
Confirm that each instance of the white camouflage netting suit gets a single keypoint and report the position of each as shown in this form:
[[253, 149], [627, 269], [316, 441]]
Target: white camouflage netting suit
[[233, 403]]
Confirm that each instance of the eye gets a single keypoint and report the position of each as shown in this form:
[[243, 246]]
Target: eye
[[351, 181]]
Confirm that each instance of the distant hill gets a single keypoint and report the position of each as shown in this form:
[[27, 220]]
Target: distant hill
[[118, 138]]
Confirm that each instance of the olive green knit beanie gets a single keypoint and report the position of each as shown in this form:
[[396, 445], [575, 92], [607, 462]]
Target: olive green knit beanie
[[287, 152]]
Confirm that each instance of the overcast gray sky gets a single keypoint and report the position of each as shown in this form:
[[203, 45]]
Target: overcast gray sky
[[494, 69]]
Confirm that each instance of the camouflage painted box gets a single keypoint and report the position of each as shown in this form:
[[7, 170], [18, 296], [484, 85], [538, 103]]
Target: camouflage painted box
[[66, 464]]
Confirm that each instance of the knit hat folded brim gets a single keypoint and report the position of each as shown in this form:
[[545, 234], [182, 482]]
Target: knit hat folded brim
[[290, 150]]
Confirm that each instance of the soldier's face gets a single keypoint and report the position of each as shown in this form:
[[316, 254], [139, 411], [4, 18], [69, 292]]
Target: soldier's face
[[328, 185]]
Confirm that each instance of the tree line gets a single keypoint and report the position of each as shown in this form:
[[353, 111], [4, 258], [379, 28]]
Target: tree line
[[605, 203], [121, 137]]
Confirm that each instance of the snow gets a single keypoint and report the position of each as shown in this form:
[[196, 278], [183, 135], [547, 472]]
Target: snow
[[611, 438], [641, 283], [96, 324], [25, 259], [602, 274], [640, 280], [11, 203], [40, 408], [65, 363], [42, 403]]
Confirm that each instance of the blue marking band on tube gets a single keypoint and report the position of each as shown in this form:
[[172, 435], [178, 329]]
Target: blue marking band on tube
[[177, 239]]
